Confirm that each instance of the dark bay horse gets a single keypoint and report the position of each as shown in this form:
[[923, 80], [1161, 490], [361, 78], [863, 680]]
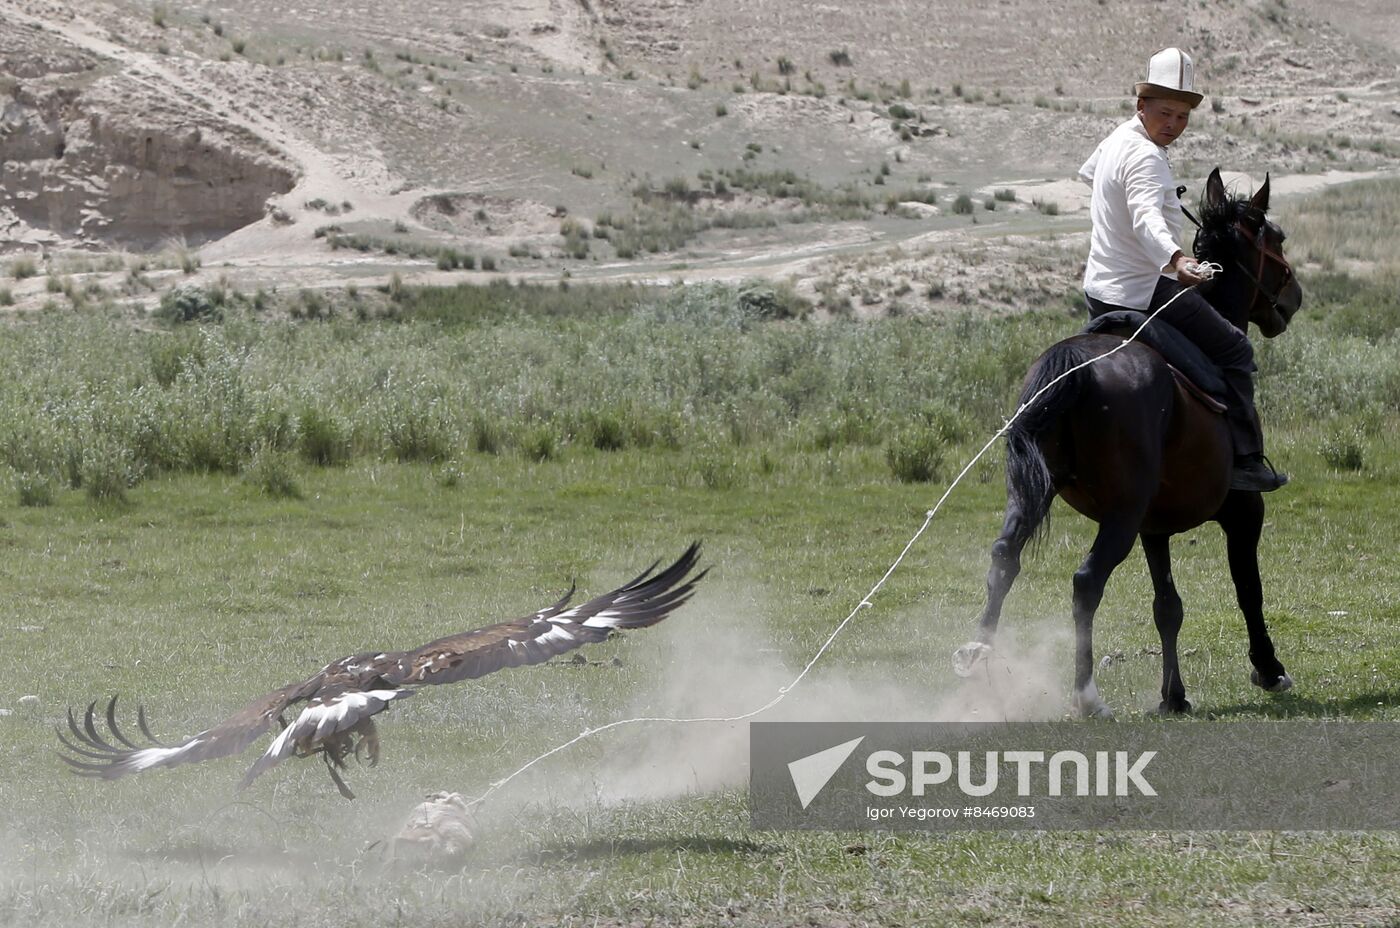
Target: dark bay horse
[[1122, 442]]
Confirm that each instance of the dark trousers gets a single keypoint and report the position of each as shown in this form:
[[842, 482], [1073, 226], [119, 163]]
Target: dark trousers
[[1224, 344]]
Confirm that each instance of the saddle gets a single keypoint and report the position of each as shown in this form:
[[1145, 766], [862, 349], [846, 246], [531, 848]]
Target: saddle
[[1189, 364]]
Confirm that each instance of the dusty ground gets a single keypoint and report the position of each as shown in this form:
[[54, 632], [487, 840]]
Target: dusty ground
[[244, 130]]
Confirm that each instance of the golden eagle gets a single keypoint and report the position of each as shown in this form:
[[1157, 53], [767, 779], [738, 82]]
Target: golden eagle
[[335, 708]]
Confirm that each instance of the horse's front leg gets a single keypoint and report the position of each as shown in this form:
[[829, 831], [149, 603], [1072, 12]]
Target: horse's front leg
[[1111, 546], [1167, 614], [1242, 518]]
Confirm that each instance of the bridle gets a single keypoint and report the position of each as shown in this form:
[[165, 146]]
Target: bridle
[[1261, 248], [1265, 254]]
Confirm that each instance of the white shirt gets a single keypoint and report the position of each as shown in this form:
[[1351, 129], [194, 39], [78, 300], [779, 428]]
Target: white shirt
[[1136, 216]]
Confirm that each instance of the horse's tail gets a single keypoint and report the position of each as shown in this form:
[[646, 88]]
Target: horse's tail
[[1030, 488]]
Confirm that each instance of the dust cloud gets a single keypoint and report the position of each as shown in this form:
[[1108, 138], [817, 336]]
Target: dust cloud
[[732, 666]]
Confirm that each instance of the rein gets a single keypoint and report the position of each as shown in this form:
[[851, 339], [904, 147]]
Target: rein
[[1187, 213]]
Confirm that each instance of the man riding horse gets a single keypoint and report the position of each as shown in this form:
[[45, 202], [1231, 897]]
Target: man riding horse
[[1105, 423], [1135, 262]]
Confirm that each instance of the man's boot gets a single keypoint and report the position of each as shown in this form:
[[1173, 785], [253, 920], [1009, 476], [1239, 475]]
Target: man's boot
[[1254, 472]]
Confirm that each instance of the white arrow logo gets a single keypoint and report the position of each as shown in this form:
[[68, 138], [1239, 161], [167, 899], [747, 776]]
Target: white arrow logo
[[810, 774]]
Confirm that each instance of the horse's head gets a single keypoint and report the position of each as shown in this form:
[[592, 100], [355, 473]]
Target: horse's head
[[1237, 234]]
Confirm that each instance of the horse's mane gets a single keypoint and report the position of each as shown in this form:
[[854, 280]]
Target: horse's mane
[[1215, 240]]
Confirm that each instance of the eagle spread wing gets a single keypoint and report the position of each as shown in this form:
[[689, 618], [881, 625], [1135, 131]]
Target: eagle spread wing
[[338, 703], [644, 601]]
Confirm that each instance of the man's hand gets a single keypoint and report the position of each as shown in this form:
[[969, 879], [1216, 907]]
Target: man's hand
[[1184, 266]]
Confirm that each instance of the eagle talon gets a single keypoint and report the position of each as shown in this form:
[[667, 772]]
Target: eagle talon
[[367, 748]]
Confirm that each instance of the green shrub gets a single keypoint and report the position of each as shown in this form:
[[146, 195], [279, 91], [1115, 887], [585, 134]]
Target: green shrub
[[418, 436], [1343, 448], [107, 471], [22, 268], [34, 490], [188, 260], [915, 456], [849, 427], [1005, 194], [772, 301], [310, 304], [948, 424], [323, 439], [963, 204], [169, 356], [605, 431], [540, 443], [486, 437], [188, 304], [717, 466], [271, 473]]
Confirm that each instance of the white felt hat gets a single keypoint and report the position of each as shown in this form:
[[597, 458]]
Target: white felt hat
[[1170, 75]]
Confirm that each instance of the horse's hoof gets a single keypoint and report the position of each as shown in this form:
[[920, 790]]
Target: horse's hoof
[[1282, 685], [965, 658], [1090, 706], [1166, 708]]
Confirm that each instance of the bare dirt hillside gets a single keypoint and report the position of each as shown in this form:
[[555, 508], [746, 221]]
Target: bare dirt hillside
[[312, 143]]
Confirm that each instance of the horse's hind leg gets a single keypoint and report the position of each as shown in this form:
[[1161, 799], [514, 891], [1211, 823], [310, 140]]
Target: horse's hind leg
[[1167, 613], [1242, 518], [1006, 565], [1111, 546]]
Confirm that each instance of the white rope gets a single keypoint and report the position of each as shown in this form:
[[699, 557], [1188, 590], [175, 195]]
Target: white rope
[[1205, 270]]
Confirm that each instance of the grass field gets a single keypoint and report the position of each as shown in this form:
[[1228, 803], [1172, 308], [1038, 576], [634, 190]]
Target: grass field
[[457, 471], [201, 592]]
